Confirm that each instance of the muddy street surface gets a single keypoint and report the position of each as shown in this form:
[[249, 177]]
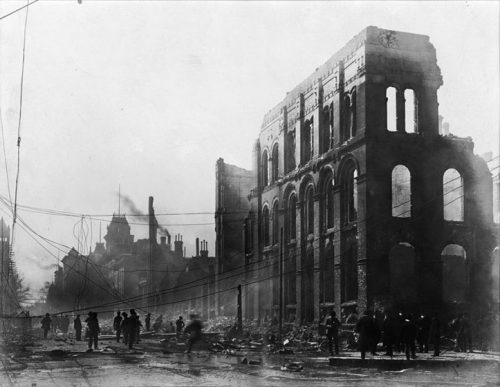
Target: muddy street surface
[[153, 363]]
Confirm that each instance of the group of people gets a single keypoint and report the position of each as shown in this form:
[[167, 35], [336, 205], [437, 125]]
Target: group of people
[[401, 333], [130, 326]]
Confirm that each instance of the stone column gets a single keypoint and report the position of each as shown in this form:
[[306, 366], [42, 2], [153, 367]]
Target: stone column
[[298, 258], [316, 249], [363, 263]]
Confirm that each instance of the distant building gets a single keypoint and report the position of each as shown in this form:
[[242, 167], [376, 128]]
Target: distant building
[[357, 199], [124, 273]]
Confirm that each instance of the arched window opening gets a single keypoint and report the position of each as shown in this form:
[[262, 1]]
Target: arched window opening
[[309, 212], [455, 284], [390, 97], [453, 196], [352, 110], [330, 127], [265, 226], [292, 206], [307, 141], [275, 163], [346, 122], [402, 272], [276, 224], [265, 169], [329, 204], [325, 130], [401, 192], [410, 111], [349, 194], [290, 151]]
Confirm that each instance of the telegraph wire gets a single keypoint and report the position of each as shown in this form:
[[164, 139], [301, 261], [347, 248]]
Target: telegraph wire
[[18, 9], [183, 288]]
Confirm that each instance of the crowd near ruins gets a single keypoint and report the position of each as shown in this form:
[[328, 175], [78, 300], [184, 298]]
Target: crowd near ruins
[[359, 199]]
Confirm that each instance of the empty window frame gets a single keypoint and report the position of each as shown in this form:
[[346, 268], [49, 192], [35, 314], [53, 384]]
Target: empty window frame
[[265, 226], [410, 111], [391, 108], [276, 223], [275, 163], [401, 192], [265, 169], [453, 196]]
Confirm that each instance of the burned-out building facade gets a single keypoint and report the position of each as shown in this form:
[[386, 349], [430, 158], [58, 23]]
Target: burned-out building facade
[[358, 199]]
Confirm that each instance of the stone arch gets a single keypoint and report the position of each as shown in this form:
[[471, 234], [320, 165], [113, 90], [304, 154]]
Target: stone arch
[[264, 166], [265, 224], [455, 273], [275, 222], [348, 173], [326, 188], [275, 162]]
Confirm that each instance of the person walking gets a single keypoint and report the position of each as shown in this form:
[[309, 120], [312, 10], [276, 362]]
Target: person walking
[[179, 325], [77, 325], [46, 325], [133, 328], [364, 328], [408, 336], [93, 330], [148, 322], [194, 329], [124, 327], [117, 325], [332, 332]]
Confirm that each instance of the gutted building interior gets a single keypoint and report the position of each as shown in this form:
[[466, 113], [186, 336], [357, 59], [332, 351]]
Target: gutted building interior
[[358, 199]]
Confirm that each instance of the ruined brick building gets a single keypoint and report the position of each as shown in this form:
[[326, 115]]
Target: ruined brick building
[[357, 197]]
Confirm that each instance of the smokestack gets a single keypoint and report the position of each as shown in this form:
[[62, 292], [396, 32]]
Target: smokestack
[[153, 224], [197, 247]]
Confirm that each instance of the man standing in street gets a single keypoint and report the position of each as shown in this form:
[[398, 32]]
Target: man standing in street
[[77, 325], [93, 329], [365, 329], [408, 336], [46, 322], [124, 327], [332, 332], [117, 325], [148, 322], [179, 324]]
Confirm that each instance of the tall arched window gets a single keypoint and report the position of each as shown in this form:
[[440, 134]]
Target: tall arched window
[[401, 192], [292, 207], [265, 226], [391, 112], [352, 130], [349, 193], [455, 284], [307, 141], [290, 151], [329, 204], [275, 163], [453, 196], [346, 121], [265, 169], [411, 123], [309, 211], [276, 223], [325, 130]]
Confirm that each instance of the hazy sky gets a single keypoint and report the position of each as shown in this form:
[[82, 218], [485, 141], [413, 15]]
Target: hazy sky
[[148, 94]]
